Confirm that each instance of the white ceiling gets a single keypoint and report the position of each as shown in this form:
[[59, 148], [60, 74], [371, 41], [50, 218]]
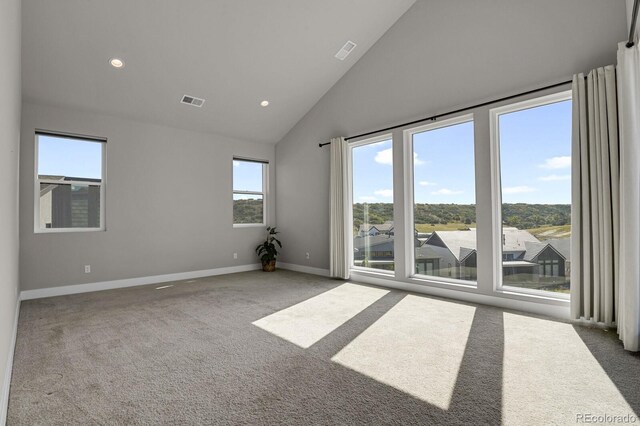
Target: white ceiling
[[233, 53]]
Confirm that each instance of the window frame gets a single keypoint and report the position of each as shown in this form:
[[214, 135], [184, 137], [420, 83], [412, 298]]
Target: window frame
[[410, 202], [263, 194], [350, 258], [496, 191], [37, 181]]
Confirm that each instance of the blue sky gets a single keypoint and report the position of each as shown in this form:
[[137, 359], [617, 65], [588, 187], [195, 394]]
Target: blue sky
[[69, 157], [247, 176], [535, 157]]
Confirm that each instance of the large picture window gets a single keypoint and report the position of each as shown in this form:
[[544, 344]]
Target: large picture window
[[372, 204], [532, 140], [249, 192], [69, 183], [482, 201], [444, 200]]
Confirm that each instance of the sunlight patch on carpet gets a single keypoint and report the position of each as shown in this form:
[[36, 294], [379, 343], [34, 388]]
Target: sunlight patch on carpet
[[307, 322], [416, 347], [551, 377]]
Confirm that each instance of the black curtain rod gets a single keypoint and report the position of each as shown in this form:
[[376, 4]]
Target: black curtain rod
[[435, 117], [634, 18]]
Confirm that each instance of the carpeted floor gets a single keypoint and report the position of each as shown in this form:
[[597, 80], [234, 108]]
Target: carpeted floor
[[189, 353]]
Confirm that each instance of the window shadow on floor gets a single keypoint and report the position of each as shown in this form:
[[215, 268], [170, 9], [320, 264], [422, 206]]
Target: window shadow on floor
[[477, 396], [335, 341]]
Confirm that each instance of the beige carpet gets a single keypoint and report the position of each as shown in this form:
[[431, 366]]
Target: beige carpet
[[284, 348]]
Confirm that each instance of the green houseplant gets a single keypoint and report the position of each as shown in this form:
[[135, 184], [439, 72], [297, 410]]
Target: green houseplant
[[267, 251]]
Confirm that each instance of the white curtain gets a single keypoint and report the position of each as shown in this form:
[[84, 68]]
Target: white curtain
[[595, 200], [629, 122], [339, 231]]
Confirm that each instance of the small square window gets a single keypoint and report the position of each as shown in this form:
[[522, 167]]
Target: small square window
[[69, 183], [249, 192]]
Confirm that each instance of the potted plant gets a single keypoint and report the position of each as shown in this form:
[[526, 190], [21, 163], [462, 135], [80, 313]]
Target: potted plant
[[267, 251]]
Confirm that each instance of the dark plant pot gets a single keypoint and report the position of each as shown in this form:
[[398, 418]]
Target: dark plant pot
[[269, 266]]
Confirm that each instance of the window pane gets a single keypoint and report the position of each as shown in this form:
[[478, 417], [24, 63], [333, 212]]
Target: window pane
[[64, 157], [247, 176], [535, 161], [372, 181], [248, 208], [444, 202], [69, 206]]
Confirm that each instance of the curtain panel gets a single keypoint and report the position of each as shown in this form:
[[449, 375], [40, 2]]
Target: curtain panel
[[629, 122], [339, 231], [595, 197], [605, 258]]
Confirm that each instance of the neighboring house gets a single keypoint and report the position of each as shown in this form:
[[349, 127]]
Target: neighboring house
[[69, 206], [374, 251], [453, 254], [525, 258], [373, 230]]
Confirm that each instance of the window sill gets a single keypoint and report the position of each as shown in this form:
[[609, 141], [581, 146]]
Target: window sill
[[380, 273], [66, 230], [249, 225], [539, 295], [443, 282]]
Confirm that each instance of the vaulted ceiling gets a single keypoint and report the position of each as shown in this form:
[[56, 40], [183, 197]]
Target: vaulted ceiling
[[233, 53]]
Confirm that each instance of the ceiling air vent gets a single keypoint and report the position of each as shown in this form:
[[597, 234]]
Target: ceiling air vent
[[192, 100], [346, 49]]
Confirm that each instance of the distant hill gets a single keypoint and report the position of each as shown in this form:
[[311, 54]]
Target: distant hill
[[522, 216]]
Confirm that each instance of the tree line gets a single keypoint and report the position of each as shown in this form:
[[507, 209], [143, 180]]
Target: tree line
[[522, 216]]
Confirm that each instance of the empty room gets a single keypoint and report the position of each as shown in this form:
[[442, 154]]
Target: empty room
[[349, 212]]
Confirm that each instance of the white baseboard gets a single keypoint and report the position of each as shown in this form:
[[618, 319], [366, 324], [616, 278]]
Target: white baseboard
[[4, 394], [305, 269], [132, 282]]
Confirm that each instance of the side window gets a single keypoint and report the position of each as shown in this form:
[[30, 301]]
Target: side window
[[249, 192], [69, 183]]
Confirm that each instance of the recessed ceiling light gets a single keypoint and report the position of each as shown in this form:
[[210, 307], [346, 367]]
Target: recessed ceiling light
[[116, 62], [264, 103]]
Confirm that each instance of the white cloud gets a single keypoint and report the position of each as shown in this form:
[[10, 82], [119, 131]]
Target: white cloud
[[426, 183], [386, 157], [552, 178], [518, 189], [367, 198], [387, 193], [557, 163], [445, 191]]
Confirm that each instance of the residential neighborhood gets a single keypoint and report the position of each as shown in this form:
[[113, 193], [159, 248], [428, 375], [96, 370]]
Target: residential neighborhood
[[526, 261]]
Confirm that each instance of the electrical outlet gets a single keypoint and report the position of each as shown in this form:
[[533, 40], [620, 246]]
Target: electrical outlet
[[87, 269], [307, 255], [235, 255]]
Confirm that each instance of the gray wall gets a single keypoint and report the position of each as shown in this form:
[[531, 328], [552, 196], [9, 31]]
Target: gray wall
[[168, 203], [9, 150], [438, 56]]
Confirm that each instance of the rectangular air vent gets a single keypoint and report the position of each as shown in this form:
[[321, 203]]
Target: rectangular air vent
[[346, 49], [192, 100]]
